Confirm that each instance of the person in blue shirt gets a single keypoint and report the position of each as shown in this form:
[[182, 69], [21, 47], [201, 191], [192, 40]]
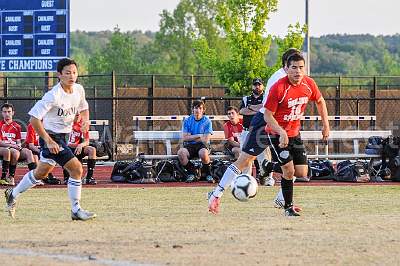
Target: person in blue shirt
[[196, 131]]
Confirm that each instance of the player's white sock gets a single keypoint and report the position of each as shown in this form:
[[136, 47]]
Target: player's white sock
[[27, 182], [231, 172], [74, 193]]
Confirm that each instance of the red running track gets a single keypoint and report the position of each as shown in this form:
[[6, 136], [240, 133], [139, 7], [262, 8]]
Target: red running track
[[102, 174]]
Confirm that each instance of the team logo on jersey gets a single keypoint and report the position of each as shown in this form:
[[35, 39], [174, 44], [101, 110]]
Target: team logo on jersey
[[67, 112], [284, 154]]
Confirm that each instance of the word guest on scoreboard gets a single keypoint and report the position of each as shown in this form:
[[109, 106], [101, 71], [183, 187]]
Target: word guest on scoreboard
[[34, 34]]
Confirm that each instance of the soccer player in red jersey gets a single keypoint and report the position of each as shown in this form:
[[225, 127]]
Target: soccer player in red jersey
[[78, 142], [285, 106], [10, 137], [232, 129]]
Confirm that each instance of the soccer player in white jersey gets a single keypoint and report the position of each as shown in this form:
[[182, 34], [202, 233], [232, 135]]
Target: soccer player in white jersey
[[52, 118]]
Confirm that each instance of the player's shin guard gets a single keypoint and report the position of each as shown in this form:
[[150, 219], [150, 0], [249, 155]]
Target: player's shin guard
[[27, 182], [74, 193], [287, 191], [91, 163], [231, 172]]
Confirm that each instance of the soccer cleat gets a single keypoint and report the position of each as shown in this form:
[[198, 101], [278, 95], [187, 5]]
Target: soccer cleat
[[269, 181], [280, 204], [291, 212], [89, 181], [10, 180], [82, 215], [3, 182], [10, 202], [213, 203], [51, 180]]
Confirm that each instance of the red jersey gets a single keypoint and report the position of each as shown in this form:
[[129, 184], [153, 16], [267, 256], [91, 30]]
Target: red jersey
[[76, 135], [289, 101], [10, 133], [32, 136], [232, 130]]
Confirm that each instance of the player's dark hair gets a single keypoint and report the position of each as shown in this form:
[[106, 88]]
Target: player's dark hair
[[232, 108], [7, 105], [295, 58], [65, 62], [198, 103], [289, 52]]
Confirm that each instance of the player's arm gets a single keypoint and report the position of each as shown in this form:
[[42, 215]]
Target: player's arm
[[85, 120], [323, 112], [38, 127], [271, 122], [230, 138]]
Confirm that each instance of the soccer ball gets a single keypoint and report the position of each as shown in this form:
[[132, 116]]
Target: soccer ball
[[244, 187]]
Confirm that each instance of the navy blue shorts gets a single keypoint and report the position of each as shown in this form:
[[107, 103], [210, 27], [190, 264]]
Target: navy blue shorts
[[65, 154], [295, 151], [257, 140]]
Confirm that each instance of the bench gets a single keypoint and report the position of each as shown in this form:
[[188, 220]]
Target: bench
[[315, 136]]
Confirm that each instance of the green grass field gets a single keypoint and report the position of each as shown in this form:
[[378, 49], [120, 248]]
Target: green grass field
[[351, 225]]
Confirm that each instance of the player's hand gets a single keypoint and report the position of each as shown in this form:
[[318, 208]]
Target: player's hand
[[325, 134], [283, 140], [85, 126], [53, 146], [78, 149]]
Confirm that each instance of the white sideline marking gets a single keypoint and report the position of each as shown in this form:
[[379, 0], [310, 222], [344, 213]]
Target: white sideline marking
[[62, 257]]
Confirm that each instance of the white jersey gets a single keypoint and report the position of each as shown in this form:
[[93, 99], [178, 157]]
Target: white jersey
[[57, 108], [280, 73]]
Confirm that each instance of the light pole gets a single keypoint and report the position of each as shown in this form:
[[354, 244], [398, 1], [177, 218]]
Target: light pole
[[307, 40]]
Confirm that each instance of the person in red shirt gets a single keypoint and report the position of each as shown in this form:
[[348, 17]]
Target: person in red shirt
[[10, 137], [79, 144], [32, 143], [232, 129], [285, 106]]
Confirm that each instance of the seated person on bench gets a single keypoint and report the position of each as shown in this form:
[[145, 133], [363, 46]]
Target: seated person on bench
[[32, 143], [196, 130], [11, 139], [79, 144], [232, 129]]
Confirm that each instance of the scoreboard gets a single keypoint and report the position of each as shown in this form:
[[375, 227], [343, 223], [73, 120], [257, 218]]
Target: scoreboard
[[34, 34]]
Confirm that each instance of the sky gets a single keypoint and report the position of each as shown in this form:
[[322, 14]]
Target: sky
[[325, 16]]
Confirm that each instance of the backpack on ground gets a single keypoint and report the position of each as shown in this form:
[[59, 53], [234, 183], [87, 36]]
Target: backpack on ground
[[137, 172], [320, 170], [166, 172], [348, 171], [218, 168], [374, 145], [119, 172]]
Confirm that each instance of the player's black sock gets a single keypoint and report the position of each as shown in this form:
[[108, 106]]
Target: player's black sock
[[32, 166], [91, 163], [207, 168], [11, 172], [287, 191], [4, 169], [66, 174]]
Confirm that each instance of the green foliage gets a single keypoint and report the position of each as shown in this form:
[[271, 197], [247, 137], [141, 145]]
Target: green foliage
[[243, 23], [118, 55]]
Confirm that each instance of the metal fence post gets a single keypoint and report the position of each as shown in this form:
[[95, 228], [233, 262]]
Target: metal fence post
[[190, 94], [336, 145], [114, 121], [372, 97], [5, 89]]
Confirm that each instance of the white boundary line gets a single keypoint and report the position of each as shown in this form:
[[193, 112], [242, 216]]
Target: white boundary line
[[67, 258]]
